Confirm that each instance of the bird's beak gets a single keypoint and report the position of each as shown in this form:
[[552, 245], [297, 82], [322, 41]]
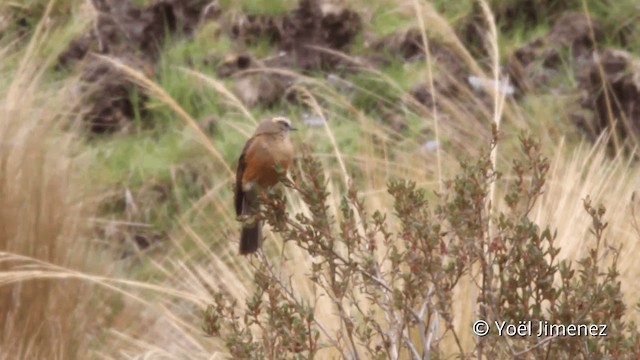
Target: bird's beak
[[291, 128]]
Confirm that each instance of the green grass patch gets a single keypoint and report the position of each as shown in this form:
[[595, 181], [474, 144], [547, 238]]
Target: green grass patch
[[274, 7]]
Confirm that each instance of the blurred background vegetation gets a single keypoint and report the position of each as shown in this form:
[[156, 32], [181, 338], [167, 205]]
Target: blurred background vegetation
[[121, 123]]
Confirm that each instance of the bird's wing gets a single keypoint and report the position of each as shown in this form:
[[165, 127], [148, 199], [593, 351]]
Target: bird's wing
[[242, 165]]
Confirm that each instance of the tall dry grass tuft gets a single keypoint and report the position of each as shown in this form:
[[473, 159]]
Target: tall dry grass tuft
[[590, 171], [42, 214]]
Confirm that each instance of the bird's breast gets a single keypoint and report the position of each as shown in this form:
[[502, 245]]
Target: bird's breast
[[262, 158], [281, 150]]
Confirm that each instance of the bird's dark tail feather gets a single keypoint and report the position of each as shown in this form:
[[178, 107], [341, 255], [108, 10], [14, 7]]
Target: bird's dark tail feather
[[251, 238]]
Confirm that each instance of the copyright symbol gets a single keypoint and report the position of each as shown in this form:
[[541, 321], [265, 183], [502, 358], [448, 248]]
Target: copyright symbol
[[481, 328]]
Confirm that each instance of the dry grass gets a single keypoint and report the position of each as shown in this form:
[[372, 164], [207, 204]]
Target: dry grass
[[42, 216], [589, 171]]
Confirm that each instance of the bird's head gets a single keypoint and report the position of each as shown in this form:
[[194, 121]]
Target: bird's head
[[275, 125]]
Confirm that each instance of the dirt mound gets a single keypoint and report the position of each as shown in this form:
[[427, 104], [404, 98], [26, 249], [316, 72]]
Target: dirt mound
[[539, 61], [609, 80], [443, 88], [613, 93], [303, 35], [508, 15], [109, 104], [570, 25], [307, 39], [577, 31], [19, 18], [134, 35], [123, 28], [405, 43], [408, 44], [450, 73], [304, 39], [254, 84]]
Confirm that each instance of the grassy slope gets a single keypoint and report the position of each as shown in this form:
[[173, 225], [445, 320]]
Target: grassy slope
[[194, 209]]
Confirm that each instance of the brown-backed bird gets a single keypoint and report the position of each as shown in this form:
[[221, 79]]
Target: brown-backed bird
[[268, 150]]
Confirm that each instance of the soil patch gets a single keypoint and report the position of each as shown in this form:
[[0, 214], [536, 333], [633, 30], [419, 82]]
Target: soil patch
[[409, 46], [613, 93], [256, 81], [571, 39], [134, 35], [304, 35], [311, 37], [609, 79], [508, 15]]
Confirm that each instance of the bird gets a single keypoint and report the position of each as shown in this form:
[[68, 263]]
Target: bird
[[267, 151]]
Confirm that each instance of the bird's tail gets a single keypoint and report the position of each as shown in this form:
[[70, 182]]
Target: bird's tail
[[251, 237]]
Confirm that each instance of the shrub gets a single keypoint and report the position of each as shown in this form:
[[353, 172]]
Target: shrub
[[390, 278]]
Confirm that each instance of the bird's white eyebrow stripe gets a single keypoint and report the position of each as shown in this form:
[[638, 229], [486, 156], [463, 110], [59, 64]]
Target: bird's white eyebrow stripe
[[281, 119]]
